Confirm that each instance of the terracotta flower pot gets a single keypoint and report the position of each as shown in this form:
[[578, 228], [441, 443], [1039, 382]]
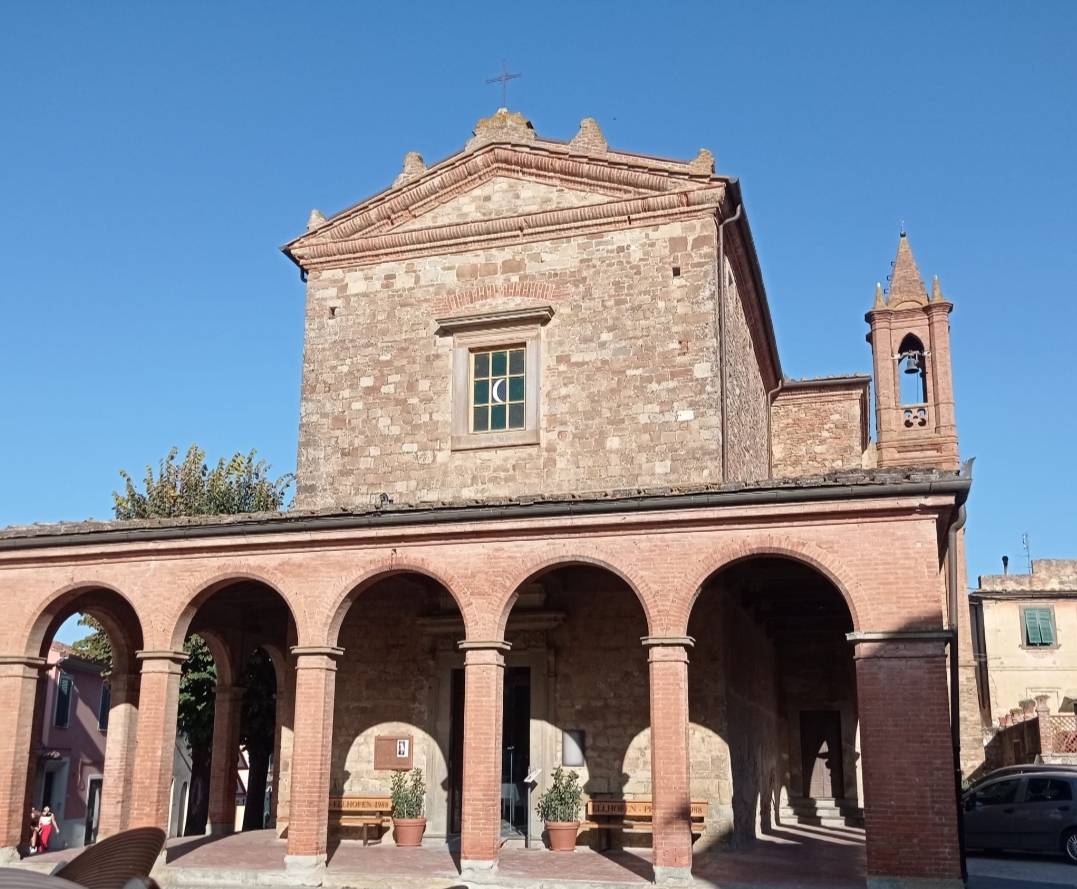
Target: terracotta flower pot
[[562, 835], [409, 831]]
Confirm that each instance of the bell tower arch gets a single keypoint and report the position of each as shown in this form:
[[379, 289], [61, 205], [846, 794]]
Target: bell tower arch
[[914, 393]]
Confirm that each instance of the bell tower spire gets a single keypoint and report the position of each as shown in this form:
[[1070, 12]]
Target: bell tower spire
[[910, 344]]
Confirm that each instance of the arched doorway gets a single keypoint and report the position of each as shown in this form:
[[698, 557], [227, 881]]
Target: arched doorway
[[235, 699], [397, 703], [772, 698], [576, 695], [81, 749]]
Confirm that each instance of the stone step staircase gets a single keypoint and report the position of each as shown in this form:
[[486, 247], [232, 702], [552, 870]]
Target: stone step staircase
[[822, 812]]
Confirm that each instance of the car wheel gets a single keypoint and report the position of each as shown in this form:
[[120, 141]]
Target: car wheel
[[1069, 846]]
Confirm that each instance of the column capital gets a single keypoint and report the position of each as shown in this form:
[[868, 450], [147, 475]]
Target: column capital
[[484, 645], [23, 660], [900, 643], [490, 652], [316, 657], [667, 641], [163, 660]]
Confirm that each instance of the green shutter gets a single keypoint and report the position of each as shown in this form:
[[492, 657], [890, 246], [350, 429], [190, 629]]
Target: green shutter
[[1047, 630], [1032, 627]]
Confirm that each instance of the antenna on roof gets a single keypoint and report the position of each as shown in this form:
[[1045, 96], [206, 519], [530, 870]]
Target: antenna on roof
[[1028, 551]]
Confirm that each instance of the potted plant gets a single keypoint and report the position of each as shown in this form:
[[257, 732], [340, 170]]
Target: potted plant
[[559, 807], [408, 796]]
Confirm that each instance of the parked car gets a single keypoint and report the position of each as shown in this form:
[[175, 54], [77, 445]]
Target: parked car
[[1022, 769], [1028, 812]]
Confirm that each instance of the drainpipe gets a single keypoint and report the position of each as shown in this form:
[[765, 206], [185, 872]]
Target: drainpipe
[[771, 395], [952, 602], [721, 329]]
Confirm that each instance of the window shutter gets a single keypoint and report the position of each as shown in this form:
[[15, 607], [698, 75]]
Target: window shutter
[[1032, 627], [1047, 630]]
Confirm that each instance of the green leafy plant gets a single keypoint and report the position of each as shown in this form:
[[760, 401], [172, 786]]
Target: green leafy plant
[[408, 794], [562, 800]]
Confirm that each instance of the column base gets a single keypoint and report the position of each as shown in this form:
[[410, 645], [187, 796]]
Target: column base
[[305, 870], [477, 870], [876, 882], [672, 876], [220, 829]]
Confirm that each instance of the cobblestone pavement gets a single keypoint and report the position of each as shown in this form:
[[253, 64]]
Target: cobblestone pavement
[[1019, 872]]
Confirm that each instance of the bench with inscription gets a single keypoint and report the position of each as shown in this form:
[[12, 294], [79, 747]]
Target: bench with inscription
[[360, 812], [605, 816]]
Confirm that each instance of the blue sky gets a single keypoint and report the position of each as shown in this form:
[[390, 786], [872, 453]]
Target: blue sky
[[156, 155]]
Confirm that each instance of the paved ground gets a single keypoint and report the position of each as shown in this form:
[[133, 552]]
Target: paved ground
[[789, 858]]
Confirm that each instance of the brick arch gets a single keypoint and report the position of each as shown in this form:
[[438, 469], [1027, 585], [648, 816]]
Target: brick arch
[[815, 557], [507, 599], [120, 619], [346, 596], [206, 587]]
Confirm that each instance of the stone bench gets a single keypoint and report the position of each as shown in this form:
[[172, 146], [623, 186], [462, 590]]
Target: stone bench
[[605, 816], [348, 812]]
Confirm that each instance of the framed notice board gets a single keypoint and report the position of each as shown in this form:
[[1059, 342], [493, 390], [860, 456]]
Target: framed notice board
[[395, 752]]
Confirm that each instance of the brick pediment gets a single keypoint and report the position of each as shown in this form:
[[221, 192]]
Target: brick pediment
[[499, 192]]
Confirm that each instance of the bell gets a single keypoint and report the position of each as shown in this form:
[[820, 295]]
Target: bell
[[913, 363]]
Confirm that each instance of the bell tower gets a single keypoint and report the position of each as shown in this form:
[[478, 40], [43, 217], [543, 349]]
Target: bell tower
[[914, 392]]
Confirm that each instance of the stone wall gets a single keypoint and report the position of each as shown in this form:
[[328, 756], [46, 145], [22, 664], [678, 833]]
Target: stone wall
[[746, 400], [736, 737], [629, 377], [819, 426]]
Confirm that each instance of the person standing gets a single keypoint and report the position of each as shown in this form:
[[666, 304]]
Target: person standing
[[48, 827], [35, 830]]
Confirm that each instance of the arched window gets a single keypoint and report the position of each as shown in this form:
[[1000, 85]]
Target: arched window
[[912, 369]]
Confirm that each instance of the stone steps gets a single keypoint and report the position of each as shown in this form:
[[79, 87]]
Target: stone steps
[[822, 812]]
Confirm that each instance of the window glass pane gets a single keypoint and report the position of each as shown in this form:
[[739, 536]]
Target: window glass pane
[[498, 363], [482, 392], [480, 422], [498, 389], [1047, 790], [482, 364], [516, 416], [63, 701], [497, 416], [516, 361], [998, 794], [106, 704], [516, 389]]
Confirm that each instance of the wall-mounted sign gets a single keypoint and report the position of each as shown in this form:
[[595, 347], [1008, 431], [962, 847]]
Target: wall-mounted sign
[[395, 752]]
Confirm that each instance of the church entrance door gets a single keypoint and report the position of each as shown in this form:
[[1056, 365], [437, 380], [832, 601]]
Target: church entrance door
[[820, 745]]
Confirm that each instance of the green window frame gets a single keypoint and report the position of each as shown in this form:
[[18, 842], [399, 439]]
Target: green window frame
[[498, 389], [1039, 627]]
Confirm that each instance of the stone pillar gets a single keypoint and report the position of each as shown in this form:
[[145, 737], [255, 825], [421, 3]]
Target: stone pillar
[[119, 753], [223, 771], [670, 784], [312, 743], [155, 750], [910, 803], [19, 677], [480, 827]]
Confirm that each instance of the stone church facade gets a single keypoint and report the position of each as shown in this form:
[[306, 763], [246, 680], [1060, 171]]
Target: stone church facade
[[556, 502]]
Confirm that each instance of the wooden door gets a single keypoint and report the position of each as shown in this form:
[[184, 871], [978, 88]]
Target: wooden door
[[821, 754]]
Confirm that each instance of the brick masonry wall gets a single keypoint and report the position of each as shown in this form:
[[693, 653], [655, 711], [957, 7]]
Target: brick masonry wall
[[818, 430], [629, 375]]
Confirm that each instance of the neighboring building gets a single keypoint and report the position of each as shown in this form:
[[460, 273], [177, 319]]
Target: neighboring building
[[1025, 638], [70, 754], [557, 503]]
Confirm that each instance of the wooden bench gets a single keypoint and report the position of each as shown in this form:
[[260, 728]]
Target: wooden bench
[[347, 812], [606, 816]]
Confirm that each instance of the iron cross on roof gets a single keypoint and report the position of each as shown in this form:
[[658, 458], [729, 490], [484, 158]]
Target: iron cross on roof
[[503, 78]]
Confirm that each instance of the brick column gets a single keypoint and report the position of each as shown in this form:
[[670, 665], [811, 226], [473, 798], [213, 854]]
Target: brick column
[[119, 753], [223, 773], [282, 752], [312, 742], [670, 784], [155, 750], [910, 806], [484, 680], [19, 677]]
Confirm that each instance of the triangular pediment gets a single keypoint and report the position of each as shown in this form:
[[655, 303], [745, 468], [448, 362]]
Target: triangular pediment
[[498, 188]]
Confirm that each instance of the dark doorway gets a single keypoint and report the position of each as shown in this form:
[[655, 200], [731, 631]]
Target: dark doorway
[[821, 754], [93, 811], [515, 750]]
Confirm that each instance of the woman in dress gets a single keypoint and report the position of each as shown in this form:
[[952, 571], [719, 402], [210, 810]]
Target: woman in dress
[[48, 825]]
